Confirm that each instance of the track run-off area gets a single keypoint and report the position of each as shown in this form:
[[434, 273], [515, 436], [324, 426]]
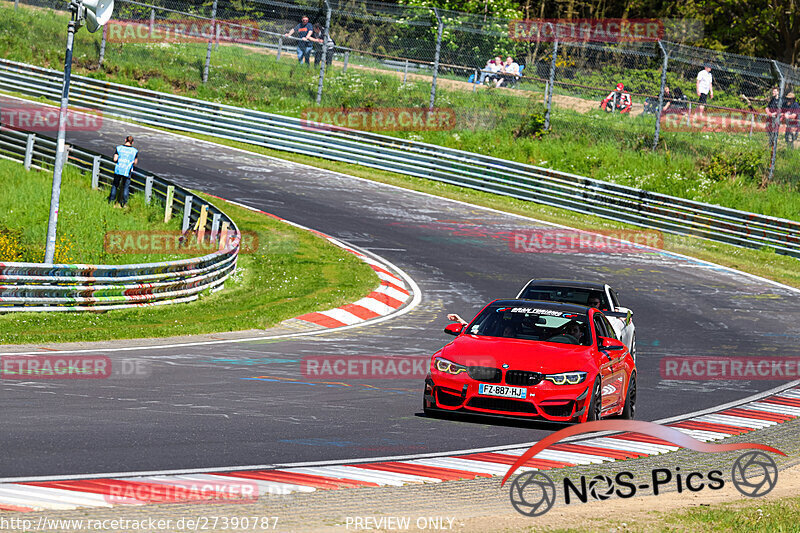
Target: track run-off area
[[219, 405]]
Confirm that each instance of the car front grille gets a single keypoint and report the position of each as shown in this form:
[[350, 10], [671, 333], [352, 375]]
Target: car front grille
[[486, 374], [562, 409], [523, 378]]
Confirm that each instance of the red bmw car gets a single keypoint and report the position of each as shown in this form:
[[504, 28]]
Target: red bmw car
[[533, 359]]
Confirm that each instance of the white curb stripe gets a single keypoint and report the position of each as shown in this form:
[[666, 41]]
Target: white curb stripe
[[736, 421], [333, 472], [342, 316], [69, 497], [628, 446], [567, 457], [703, 434], [476, 467], [776, 408], [393, 293], [375, 306]]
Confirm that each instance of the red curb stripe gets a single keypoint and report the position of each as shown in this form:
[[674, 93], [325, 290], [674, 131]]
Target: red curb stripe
[[321, 320], [593, 450], [15, 508], [393, 286], [709, 426], [758, 415], [385, 298], [317, 482], [638, 437], [445, 474], [501, 458], [360, 311], [377, 268], [793, 402]]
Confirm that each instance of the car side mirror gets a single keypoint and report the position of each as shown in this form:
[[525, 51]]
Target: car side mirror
[[610, 345], [453, 329]]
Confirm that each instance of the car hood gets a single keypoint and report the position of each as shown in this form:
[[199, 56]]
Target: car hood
[[546, 357]]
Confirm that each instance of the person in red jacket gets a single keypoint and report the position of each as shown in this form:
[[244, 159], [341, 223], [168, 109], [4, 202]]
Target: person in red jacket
[[618, 100]]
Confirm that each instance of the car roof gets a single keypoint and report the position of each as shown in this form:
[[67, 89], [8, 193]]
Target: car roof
[[567, 283], [542, 304]]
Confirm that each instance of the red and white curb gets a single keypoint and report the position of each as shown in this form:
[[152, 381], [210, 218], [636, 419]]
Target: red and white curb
[[72, 492], [394, 292]]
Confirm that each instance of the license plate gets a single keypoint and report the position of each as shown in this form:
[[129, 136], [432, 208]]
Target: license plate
[[502, 391]]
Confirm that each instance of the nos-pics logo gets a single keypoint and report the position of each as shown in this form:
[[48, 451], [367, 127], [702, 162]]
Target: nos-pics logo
[[533, 493]]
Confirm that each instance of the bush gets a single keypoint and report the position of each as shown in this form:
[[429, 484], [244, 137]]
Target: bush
[[747, 165], [531, 125]]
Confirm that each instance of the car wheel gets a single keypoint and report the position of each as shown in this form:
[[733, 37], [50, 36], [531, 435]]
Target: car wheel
[[596, 404], [629, 411], [633, 346]]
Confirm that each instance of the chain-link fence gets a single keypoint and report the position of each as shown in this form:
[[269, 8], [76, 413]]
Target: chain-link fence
[[403, 60]]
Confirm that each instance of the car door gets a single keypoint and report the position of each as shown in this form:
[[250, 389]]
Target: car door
[[606, 363], [613, 368]]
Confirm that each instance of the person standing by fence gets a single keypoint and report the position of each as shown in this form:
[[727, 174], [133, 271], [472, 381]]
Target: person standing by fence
[[304, 32], [774, 110], [705, 89], [792, 116], [125, 157]]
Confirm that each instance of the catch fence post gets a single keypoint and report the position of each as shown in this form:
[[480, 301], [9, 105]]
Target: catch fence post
[[550, 82], [661, 94], [324, 51], [210, 41], [29, 150], [436, 56], [96, 172]]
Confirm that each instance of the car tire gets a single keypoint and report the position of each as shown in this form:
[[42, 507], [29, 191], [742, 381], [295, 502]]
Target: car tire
[[596, 403], [633, 347], [629, 410]]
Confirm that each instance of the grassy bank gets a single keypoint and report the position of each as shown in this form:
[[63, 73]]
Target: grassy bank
[[291, 271], [85, 218], [715, 168]]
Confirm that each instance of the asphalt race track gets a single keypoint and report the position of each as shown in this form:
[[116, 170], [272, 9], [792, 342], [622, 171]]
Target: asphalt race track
[[199, 406]]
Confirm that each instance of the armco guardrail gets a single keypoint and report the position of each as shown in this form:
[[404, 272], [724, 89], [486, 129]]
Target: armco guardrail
[[66, 287], [518, 180]]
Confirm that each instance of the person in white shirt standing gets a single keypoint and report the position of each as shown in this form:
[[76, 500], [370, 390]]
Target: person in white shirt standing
[[705, 90]]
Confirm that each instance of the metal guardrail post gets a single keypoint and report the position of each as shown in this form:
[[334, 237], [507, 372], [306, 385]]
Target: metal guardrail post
[[405, 71], [152, 21], [215, 227], [103, 41], [96, 172], [550, 82], [16, 5], [324, 51], [661, 94], [168, 203], [210, 41], [775, 135], [29, 150], [223, 236], [475, 79], [201, 224], [280, 47], [346, 60], [436, 56], [187, 213], [148, 189]]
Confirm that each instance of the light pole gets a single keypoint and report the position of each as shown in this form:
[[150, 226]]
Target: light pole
[[95, 13]]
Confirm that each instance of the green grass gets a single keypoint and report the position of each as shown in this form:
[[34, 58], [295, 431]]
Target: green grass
[[614, 148], [85, 218], [774, 516], [290, 273]]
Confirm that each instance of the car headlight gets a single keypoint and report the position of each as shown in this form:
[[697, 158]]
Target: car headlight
[[566, 378], [448, 367]]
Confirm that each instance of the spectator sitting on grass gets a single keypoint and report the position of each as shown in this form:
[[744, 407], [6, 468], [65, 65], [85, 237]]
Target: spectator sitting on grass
[[509, 72], [617, 100], [487, 70], [675, 102]]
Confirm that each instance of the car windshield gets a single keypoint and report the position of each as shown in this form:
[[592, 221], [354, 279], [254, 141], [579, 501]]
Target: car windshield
[[531, 323], [570, 295]]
